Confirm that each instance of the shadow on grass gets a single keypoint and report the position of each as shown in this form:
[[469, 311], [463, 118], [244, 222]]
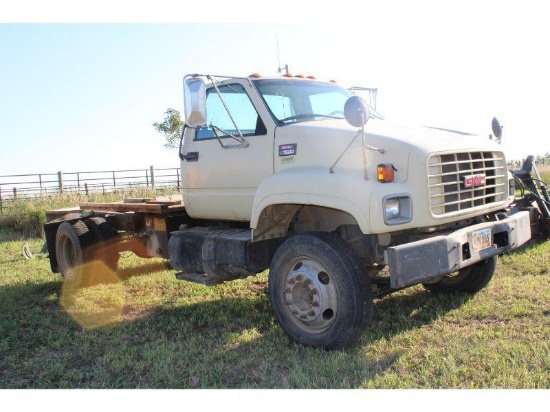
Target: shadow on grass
[[412, 308], [222, 342], [144, 269]]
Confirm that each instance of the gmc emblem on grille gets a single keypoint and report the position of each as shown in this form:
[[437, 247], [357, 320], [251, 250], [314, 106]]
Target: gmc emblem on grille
[[474, 181]]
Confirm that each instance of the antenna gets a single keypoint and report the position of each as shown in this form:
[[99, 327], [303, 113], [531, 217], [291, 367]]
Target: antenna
[[283, 68], [280, 69]]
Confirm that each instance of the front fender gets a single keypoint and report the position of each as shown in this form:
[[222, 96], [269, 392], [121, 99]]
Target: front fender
[[344, 191]]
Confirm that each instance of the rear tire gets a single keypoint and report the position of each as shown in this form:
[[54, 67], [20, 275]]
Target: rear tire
[[104, 247], [71, 243], [470, 280], [319, 291]]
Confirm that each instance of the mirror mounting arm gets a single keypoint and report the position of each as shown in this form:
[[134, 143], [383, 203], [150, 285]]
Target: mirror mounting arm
[[243, 144], [226, 108]]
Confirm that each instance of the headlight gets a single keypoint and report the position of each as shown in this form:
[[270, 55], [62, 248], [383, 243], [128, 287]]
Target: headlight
[[397, 209], [392, 209]]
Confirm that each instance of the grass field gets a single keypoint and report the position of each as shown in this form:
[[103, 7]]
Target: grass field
[[145, 329]]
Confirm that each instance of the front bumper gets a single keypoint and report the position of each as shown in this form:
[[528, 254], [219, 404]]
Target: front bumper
[[429, 259]]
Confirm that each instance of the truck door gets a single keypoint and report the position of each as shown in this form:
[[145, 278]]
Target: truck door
[[221, 174]]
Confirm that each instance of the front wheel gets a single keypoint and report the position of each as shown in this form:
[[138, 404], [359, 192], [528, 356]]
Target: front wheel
[[319, 291], [470, 279]]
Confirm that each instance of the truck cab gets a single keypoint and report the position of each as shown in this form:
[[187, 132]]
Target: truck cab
[[267, 144]]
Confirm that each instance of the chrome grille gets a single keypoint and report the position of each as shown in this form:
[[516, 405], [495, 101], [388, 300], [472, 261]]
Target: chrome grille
[[449, 176]]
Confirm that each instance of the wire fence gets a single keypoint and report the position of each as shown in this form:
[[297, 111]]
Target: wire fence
[[30, 186]]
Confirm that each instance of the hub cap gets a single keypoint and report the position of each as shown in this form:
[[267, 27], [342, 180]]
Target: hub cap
[[310, 294]]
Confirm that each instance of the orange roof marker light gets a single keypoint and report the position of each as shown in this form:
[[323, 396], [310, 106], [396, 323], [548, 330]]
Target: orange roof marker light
[[288, 75], [333, 81], [301, 76], [255, 75], [312, 77]]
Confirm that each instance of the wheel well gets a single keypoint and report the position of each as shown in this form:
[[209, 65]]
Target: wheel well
[[277, 221]]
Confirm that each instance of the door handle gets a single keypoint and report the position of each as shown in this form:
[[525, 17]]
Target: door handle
[[191, 156]]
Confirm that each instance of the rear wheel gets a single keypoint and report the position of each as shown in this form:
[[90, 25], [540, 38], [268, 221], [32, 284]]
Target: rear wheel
[[71, 243], [104, 247], [319, 291], [470, 279]]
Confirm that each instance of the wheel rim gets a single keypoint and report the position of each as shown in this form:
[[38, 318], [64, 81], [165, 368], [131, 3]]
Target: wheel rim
[[310, 295], [68, 258]]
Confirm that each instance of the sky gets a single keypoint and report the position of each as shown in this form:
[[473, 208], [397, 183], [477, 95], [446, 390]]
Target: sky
[[81, 88]]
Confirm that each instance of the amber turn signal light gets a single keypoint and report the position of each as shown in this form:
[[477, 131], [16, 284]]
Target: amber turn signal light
[[385, 172]]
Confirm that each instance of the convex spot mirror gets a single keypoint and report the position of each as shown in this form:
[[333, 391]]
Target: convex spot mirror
[[194, 92], [356, 111], [497, 128]]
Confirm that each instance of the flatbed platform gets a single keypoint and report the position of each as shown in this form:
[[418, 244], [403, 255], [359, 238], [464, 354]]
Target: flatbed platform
[[157, 205]]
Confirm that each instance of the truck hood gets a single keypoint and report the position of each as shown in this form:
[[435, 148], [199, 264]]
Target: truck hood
[[381, 133], [426, 139]]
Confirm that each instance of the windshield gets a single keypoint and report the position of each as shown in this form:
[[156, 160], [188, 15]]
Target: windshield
[[294, 100]]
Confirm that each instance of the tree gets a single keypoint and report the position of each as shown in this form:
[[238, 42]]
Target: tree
[[170, 127]]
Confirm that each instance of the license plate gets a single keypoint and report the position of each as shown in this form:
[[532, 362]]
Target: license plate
[[481, 239]]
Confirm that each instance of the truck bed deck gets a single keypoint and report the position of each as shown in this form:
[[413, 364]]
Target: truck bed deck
[[156, 205]]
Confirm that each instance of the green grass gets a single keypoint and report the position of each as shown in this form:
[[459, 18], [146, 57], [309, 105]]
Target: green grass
[[148, 330]]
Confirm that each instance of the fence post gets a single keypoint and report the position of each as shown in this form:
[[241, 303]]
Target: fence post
[[1, 206], [78, 181], [86, 188], [60, 181], [152, 177], [114, 182], [14, 193], [40, 182]]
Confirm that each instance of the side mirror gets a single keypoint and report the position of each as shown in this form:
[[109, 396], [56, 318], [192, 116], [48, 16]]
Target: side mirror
[[356, 111], [194, 92], [497, 128]]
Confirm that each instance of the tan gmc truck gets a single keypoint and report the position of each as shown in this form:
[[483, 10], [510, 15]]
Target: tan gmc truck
[[305, 178]]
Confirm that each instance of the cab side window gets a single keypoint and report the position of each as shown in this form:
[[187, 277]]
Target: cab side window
[[241, 108]]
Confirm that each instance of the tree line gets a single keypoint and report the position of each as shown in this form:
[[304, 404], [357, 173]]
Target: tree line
[[540, 160]]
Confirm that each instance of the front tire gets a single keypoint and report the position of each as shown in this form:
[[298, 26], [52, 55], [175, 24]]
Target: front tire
[[469, 280], [319, 291]]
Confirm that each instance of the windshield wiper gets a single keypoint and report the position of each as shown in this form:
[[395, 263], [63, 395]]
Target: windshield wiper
[[309, 116]]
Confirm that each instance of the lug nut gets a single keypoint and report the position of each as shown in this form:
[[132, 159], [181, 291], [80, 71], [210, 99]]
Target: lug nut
[[315, 291], [291, 282], [303, 316], [299, 278], [307, 281], [311, 312], [315, 303]]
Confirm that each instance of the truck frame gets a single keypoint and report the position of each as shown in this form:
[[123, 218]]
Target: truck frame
[[291, 174]]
